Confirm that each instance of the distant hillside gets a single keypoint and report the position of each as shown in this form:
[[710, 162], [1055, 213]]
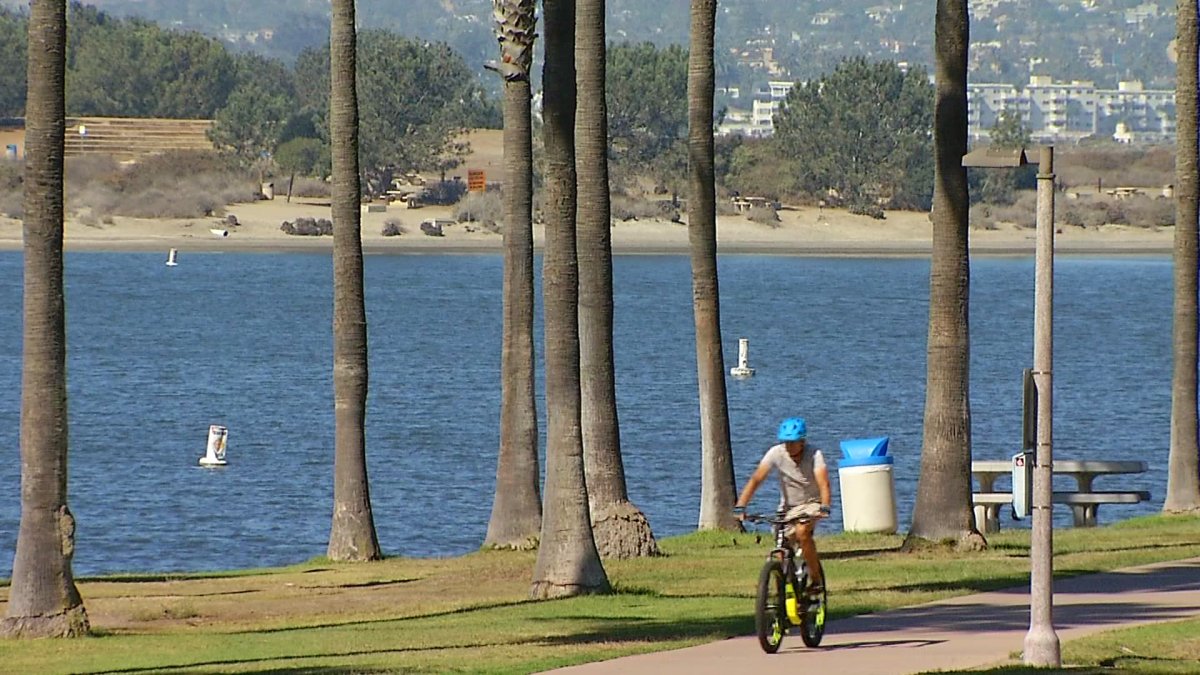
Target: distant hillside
[[1099, 40]]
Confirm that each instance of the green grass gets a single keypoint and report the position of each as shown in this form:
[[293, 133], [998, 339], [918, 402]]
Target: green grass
[[1158, 649], [471, 613]]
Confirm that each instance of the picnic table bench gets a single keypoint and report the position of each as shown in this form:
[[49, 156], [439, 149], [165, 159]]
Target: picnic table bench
[[1084, 501]]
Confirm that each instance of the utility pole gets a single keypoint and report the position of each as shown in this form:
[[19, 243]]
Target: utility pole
[[1041, 642]]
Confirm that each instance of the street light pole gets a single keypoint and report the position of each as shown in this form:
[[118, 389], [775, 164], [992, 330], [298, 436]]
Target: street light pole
[[1041, 642]]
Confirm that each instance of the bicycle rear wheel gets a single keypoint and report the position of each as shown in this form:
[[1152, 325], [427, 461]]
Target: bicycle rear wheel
[[770, 618], [812, 620]]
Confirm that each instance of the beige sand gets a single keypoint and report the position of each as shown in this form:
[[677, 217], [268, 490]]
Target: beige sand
[[803, 231]]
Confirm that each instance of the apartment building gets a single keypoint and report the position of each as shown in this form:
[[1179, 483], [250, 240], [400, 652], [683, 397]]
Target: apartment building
[[1071, 111]]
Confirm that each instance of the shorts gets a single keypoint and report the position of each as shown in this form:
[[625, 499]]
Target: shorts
[[807, 511]]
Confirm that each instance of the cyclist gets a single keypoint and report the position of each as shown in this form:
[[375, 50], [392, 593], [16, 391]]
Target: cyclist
[[803, 487]]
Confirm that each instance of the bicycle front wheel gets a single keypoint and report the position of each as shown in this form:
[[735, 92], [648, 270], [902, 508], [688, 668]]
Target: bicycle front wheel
[[770, 613], [812, 621]]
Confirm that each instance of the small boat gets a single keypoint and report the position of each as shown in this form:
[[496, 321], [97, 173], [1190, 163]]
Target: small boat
[[171, 257], [214, 454]]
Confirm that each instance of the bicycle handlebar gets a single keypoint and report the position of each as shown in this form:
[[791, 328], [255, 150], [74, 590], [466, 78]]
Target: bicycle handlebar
[[778, 519]]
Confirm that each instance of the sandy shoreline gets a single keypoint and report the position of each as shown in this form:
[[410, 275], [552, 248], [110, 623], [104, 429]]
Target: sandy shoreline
[[803, 231]]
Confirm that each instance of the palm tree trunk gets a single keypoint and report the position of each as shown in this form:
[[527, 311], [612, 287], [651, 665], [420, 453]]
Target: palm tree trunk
[[567, 562], [621, 530], [1183, 468], [943, 506], [43, 600], [352, 536], [717, 485], [517, 506]]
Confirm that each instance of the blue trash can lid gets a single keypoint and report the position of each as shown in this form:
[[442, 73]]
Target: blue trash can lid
[[847, 462], [855, 448], [865, 451]]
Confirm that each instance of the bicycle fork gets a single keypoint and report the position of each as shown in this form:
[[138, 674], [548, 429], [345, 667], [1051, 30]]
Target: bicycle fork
[[791, 600]]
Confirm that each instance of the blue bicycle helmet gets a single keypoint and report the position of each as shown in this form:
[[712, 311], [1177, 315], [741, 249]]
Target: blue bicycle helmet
[[793, 429]]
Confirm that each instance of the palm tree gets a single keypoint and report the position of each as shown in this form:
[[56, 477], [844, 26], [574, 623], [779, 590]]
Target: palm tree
[[943, 507], [717, 486], [352, 536], [620, 528], [517, 506], [1183, 468], [43, 600], [567, 561]]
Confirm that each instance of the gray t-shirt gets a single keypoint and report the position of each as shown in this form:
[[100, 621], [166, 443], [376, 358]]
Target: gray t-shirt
[[797, 480]]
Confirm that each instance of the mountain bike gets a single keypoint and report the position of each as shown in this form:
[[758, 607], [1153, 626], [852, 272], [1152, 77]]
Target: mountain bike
[[784, 598]]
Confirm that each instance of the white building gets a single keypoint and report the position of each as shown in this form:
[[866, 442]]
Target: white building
[[759, 121], [1071, 111]]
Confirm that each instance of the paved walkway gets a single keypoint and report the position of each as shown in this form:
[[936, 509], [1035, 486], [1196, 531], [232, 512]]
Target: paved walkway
[[965, 632]]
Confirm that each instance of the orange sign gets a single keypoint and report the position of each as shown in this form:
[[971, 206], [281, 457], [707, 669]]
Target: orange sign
[[476, 180]]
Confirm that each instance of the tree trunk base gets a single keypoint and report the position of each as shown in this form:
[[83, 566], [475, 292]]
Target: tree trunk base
[[1185, 511], [70, 623], [621, 531], [971, 541], [547, 590], [529, 543], [967, 541]]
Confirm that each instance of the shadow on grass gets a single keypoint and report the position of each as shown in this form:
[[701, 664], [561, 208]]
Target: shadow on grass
[[368, 584], [964, 586], [857, 553], [608, 630], [385, 620], [1066, 550], [153, 596]]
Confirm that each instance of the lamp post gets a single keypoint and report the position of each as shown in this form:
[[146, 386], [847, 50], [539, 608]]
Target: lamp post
[[1041, 642], [1041, 646]]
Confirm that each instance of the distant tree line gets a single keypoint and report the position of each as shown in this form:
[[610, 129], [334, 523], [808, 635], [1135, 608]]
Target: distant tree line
[[415, 96], [859, 136]]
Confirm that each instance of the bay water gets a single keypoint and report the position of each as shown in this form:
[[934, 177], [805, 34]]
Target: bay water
[[156, 354]]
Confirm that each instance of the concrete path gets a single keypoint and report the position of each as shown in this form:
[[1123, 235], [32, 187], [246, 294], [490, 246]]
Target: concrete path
[[965, 632]]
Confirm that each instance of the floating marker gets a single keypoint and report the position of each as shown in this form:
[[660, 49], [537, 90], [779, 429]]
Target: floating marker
[[214, 454], [171, 256], [743, 369]]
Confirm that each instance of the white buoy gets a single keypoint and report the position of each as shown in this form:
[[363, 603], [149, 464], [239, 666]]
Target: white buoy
[[743, 369], [171, 256], [214, 454]]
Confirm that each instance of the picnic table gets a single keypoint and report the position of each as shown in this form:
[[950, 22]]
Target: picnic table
[[1084, 500]]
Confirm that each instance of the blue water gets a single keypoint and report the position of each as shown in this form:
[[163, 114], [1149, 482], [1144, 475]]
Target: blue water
[[156, 354]]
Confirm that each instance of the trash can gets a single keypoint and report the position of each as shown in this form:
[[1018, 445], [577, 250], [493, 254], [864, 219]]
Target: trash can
[[867, 487], [10, 151]]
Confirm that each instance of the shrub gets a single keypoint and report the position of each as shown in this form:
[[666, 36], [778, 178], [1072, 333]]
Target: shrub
[[980, 216], [174, 185], [631, 208], [486, 208], [308, 227], [1022, 212], [444, 192], [865, 208], [310, 187], [392, 227], [1112, 165], [1150, 211], [12, 204], [763, 215], [11, 193]]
